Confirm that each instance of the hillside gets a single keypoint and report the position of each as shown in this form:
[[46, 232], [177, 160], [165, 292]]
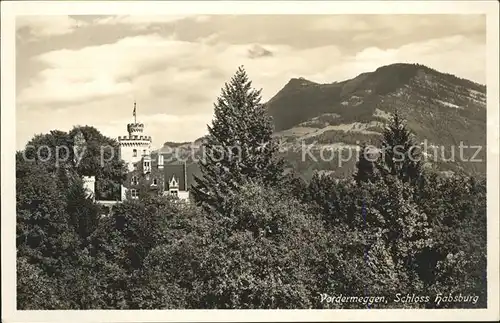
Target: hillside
[[440, 108]]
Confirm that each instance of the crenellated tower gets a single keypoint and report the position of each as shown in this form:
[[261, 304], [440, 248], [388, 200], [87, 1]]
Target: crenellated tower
[[135, 149]]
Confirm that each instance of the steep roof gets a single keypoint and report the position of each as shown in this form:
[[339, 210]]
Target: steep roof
[[176, 168], [179, 171]]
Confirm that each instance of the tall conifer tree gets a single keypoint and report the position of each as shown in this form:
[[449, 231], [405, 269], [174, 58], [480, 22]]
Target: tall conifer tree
[[365, 166], [401, 157], [239, 147]]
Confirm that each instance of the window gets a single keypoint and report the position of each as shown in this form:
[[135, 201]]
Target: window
[[134, 180], [134, 194], [147, 177], [144, 152], [174, 192], [155, 181], [134, 153]]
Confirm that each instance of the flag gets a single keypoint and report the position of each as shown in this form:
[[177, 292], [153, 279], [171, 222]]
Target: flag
[[134, 110]]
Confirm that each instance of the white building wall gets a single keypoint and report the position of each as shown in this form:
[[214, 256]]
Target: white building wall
[[160, 161], [123, 193], [127, 151], [89, 186], [183, 195]]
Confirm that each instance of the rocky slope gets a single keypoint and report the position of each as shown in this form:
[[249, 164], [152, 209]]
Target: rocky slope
[[318, 123]]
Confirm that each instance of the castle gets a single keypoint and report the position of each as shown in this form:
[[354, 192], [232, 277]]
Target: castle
[[146, 170]]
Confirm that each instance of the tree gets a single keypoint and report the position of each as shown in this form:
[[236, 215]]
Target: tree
[[400, 156], [83, 213], [399, 229], [44, 232], [456, 207], [56, 222], [172, 275], [239, 146], [121, 246], [365, 166], [100, 157], [35, 291], [51, 150], [378, 232], [293, 183], [267, 254]]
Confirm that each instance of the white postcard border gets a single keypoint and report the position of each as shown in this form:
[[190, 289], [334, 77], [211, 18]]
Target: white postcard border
[[9, 9]]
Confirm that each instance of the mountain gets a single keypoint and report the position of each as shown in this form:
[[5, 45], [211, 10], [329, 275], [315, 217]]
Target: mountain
[[356, 99], [441, 110]]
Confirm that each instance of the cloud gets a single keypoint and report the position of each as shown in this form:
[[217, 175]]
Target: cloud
[[144, 21], [455, 55], [257, 51], [340, 23], [98, 71], [155, 66], [44, 26], [166, 63], [444, 54], [175, 81], [400, 24]]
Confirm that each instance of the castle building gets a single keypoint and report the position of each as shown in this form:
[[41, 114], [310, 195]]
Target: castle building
[[147, 171]]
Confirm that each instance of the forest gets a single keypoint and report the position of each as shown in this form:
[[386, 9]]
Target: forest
[[255, 235]]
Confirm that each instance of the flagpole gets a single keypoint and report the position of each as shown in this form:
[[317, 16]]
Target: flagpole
[[135, 114]]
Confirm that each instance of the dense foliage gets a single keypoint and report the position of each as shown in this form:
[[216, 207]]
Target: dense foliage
[[280, 243], [92, 155], [239, 146]]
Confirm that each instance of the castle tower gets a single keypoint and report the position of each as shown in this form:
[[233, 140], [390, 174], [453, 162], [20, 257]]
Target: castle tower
[[135, 147]]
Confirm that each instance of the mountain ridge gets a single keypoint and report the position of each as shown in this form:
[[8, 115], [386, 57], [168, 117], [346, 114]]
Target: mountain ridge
[[383, 81], [440, 108]]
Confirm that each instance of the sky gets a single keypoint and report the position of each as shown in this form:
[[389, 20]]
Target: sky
[[88, 70]]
